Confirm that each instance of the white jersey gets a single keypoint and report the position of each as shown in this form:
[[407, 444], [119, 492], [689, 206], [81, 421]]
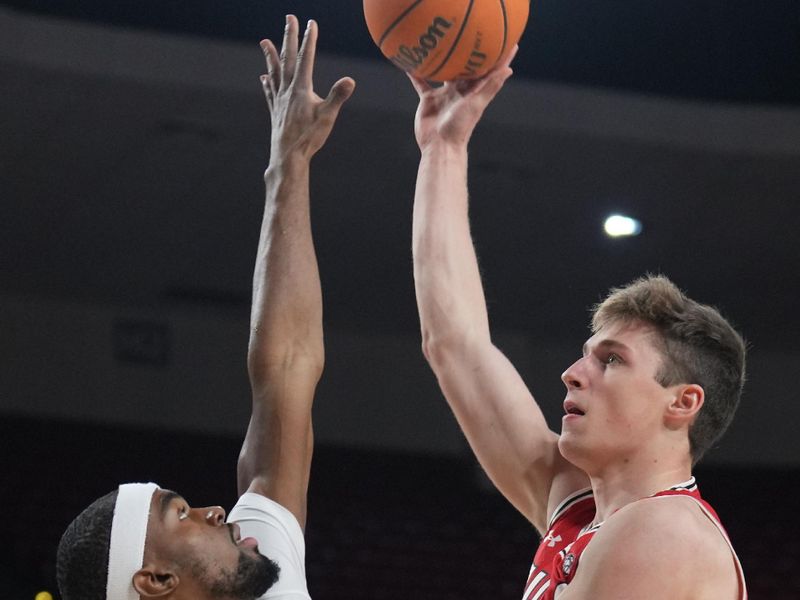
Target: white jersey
[[280, 538]]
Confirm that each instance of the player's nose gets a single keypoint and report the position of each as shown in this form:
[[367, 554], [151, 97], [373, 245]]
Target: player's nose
[[214, 515], [573, 377]]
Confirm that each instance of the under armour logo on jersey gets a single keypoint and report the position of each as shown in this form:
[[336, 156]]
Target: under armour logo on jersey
[[551, 541]]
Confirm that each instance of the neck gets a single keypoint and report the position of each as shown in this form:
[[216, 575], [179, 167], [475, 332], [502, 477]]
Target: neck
[[618, 485]]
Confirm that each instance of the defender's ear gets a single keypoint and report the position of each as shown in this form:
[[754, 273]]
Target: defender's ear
[[153, 581], [685, 404]]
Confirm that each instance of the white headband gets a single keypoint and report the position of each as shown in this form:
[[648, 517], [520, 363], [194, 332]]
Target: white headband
[[128, 532]]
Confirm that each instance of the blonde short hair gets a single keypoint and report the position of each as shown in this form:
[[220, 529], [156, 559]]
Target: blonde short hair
[[697, 344]]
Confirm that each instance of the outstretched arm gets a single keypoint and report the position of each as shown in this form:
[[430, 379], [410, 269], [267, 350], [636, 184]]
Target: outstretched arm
[[494, 408], [286, 354]]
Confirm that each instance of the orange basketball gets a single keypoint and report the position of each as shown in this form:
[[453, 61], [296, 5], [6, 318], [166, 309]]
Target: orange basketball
[[443, 40]]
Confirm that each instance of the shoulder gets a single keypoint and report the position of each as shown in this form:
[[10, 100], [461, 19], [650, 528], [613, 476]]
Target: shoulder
[[279, 537], [664, 526], [256, 508], [660, 547]]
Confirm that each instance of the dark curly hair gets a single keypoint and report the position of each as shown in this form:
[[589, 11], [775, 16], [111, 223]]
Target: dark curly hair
[[697, 345], [82, 559]]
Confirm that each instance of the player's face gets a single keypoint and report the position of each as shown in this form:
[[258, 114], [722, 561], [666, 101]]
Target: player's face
[[208, 554], [614, 406]]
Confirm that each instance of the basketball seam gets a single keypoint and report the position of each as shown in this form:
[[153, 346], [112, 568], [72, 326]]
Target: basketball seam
[[397, 22], [505, 27], [455, 43]]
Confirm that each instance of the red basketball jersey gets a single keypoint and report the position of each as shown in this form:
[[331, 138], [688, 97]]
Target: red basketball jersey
[[570, 530]]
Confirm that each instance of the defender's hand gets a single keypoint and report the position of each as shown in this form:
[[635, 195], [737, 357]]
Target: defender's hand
[[301, 120]]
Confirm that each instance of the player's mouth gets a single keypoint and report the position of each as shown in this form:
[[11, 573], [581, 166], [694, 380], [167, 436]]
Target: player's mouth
[[572, 409], [238, 540]]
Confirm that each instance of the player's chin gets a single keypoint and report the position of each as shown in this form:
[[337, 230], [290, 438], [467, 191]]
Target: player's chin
[[569, 443], [569, 433], [269, 570]]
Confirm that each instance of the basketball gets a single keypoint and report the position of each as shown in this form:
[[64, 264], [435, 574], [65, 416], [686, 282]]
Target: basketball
[[443, 40]]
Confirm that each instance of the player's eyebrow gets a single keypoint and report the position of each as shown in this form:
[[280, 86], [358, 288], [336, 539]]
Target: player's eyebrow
[[166, 499], [607, 344]]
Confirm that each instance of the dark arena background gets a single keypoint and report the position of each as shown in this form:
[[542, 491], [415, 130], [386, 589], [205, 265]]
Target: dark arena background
[[133, 138]]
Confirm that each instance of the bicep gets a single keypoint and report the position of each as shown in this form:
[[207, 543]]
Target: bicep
[[504, 425], [275, 459]]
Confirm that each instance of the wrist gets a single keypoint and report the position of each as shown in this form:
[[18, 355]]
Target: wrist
[[444, 151], [287, 166]]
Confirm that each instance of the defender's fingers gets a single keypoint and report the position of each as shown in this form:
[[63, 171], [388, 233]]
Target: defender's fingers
[[289, 51], [267, 91], [339, 93], [304, 71], [270, 53], [272, 61]]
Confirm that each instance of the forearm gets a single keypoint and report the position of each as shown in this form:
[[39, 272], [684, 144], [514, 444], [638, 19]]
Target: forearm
[[285, 354], [286, 314], [448, 285], [493, 406]]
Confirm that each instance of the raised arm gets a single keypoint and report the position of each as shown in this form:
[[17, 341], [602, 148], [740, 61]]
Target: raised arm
[[494, 408], [286, 354]]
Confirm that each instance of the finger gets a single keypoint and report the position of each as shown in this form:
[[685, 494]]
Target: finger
[[505, 61], [304, 71], [272, 61], [490, 85], [494, 78], [341, 91], [267, 91], [338, 95], [467, 86], [474, 86], [420, 85], [289, 51]]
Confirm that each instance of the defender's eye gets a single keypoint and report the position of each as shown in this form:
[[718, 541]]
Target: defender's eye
[[613, 359], [183, 514]]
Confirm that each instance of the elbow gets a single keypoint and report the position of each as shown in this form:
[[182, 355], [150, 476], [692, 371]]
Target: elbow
[[266, 367], [449, 332], [442, 349], [431, 348]]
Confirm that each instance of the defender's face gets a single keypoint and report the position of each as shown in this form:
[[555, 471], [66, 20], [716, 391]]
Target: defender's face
[[207, 553], [614, 406]]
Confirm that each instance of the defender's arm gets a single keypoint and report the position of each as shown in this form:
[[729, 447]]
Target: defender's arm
[[285, 353]]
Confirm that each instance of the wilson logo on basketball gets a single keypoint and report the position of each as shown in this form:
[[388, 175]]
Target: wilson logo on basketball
[[409, 58]]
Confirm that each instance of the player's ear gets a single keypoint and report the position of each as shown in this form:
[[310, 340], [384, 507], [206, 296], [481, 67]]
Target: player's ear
[[155, 581], [686, 402]]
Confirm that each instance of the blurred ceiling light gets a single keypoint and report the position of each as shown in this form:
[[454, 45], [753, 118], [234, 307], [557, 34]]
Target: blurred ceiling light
[[622, 226]]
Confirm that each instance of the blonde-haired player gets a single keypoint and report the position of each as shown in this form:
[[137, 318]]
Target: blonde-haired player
[[658, 381]]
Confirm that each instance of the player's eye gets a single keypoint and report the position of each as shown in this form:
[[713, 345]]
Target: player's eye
[[183, 513], [613, 359]]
